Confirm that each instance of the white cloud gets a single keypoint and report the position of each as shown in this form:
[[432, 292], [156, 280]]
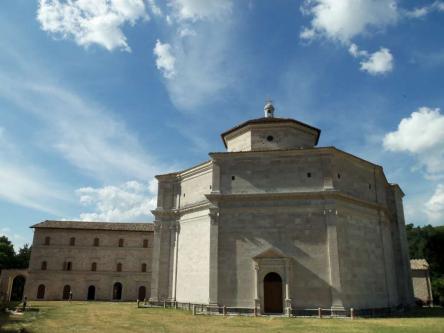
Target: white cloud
[[155, 9], [27, 185], [435, 206], [422, 135], [87, 136], [131, 201], [197, 74], [91, 22], [200, 9], [165, 60], [378, 63], [420, 12], [342, 20]]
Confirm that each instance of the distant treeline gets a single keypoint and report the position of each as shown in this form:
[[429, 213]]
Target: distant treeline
[[428, 243], [9, 258]]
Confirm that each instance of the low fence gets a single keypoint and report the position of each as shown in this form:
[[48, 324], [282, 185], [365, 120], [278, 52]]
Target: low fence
[[205, 309]]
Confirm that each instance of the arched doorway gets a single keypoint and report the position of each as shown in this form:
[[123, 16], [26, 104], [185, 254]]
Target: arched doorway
[[91, 293], [41, 291], [117, 291], [142, 293], [273, 302], [66, 292], [18, 286]]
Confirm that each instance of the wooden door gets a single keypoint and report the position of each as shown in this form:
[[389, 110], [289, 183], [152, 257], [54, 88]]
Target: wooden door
[[273, 302]]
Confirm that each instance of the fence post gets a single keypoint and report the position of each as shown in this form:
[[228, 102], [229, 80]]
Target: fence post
[[320, 313], [175, 304], [288, 311], [352, 313], [255, 310], [164, 304], [189, 306], [224, 310], [194, 309]]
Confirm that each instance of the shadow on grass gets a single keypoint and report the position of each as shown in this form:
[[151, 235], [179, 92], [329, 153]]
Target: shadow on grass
[[435, 312]]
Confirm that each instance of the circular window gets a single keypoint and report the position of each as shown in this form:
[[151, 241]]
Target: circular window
[[270, 138]]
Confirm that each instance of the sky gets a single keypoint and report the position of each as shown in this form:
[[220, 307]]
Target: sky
[[97, 97]]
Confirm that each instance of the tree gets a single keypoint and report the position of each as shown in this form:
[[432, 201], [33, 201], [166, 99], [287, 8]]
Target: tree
[[22, 257], [7, 253], [428, 242]]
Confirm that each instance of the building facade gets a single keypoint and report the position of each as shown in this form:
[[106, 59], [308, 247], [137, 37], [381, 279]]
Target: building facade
[[90, 261], [273, 222], [422, 287]]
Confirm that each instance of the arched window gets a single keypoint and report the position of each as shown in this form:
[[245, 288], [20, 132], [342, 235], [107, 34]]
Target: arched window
[[47, 240], [143, 268], [41, 291], [145, 243], [44, 266], [66, 292], [117, 291], [121, 242], [119, 267], [142, 293], [96, 242], [72, 241], [94, 266]]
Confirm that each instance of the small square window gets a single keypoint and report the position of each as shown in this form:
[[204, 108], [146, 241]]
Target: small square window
[[233, 177], [308, 174]]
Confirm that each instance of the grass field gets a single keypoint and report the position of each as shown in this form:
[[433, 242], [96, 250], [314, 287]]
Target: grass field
[[54, 317]]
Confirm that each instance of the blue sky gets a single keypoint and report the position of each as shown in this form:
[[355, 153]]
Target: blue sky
[[96, 97]]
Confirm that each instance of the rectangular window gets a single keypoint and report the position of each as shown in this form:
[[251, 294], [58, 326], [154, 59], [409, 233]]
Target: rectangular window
[[72, 241], [47, 240], [121, 242], [145, 243], [96, 242]]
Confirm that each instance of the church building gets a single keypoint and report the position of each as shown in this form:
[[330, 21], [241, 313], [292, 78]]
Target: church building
[[272, 222]]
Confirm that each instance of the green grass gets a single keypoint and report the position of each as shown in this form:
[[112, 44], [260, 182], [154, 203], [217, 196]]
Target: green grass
[[53, 317]]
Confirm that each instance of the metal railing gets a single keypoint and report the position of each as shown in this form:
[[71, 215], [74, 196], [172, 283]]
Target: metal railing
[[334, 312]]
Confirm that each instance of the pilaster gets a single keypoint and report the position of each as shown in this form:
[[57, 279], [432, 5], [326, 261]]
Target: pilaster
[[214, 239], [331, 222]]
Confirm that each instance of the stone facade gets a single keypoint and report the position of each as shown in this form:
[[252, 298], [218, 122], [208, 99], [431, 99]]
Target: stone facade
[[272, 223], [327, 222], [88, 254], [421, 281]]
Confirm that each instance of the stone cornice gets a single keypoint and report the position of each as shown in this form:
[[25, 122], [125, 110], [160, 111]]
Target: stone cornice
[[293, 152], [336, 195], [184, 174]]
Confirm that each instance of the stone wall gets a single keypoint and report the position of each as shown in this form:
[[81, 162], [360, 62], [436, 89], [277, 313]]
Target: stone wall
[[82, 255], [193, 262]]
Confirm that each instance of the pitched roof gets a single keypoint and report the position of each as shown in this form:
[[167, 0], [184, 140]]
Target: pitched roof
[[419, 264], [270, 120], [114, 226]]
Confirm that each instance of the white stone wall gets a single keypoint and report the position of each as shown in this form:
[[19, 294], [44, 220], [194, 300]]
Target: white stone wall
[[240, 142], [194, 187], [275, 173], [296, 229], [193, 262]]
